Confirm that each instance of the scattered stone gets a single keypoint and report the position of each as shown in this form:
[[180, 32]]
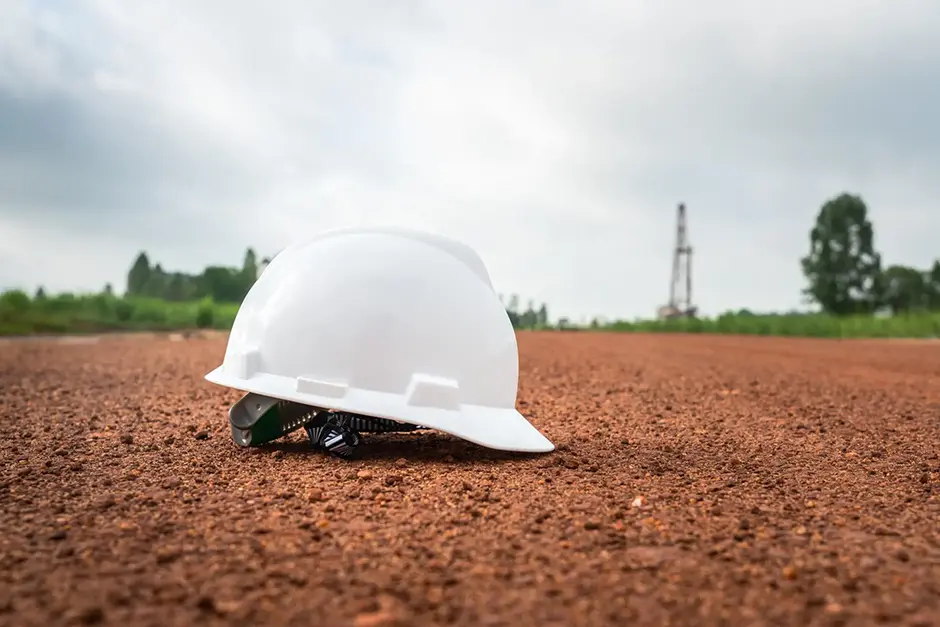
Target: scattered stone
[[65, 551], [382, 618], [833, 608], [207, 604], [127, 439], [92, 615], [166, 556], [389, 612], [201, 435], [174, 523]]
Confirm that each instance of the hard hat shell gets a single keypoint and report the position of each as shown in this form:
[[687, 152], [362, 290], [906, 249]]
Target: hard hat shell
[[384, 322]]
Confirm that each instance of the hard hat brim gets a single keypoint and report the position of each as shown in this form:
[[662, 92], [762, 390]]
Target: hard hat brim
[[498, 428]]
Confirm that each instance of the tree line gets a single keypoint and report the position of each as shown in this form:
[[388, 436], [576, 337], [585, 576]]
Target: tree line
[[844, 268], [221, 284], [224, 284]]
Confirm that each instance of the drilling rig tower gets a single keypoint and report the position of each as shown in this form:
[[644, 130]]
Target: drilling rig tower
[[680, 290]]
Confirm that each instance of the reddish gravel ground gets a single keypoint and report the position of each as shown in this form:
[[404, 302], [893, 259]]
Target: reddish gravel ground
[[697, 481]]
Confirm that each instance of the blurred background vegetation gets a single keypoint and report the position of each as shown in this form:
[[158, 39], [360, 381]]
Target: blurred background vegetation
[[854, 295]]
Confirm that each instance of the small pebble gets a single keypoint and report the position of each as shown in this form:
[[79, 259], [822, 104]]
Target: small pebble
[[206, 604], [833, 608], [376, 619], [91, 616]]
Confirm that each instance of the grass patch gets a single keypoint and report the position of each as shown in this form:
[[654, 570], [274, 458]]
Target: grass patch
[[912, 325], [97, 313]]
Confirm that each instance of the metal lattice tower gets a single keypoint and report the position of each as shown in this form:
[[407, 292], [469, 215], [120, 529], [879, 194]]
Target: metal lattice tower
[[680, 290]]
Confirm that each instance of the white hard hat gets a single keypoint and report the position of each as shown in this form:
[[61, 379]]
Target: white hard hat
[[388, 323]]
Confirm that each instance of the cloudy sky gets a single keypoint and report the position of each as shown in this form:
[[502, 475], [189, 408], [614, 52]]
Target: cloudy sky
[[554, 137]]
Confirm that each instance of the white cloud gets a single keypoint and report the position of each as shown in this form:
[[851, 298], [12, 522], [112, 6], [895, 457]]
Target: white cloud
[[556, 138]]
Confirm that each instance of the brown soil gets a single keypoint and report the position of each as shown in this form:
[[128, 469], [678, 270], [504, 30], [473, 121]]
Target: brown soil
[[697, 481]]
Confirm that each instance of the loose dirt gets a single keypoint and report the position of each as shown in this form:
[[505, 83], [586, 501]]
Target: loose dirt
[[697, 481]]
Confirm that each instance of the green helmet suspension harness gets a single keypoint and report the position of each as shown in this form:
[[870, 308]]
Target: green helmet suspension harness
[[256, 419]]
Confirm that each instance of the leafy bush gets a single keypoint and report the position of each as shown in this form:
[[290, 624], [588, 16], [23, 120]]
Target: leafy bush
[[14, 302], [123, 310], [150, 312], [205, 314]]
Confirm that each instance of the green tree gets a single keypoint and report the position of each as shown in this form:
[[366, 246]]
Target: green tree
[[157, 283], [40, 294], [249, 271], [933, 286], [905, 289], [529, 317], [176, 287], [250, 264], [139, 275], [542, 318], [223, 285], [842, 267]]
